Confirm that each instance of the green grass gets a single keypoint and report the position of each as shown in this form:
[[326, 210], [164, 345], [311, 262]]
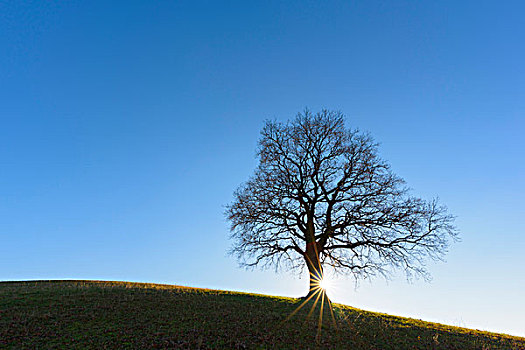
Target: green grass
[[97, 315]]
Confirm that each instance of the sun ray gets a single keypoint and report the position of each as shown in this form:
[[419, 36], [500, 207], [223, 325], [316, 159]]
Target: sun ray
[[319, 287], [320, 316], [318, 292], [331, 312], [298, 308]]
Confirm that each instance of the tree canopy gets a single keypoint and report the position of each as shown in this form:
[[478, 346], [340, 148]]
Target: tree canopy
[[322, 196]]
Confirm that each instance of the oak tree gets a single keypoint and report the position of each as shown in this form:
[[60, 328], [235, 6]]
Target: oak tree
[[322, 196]]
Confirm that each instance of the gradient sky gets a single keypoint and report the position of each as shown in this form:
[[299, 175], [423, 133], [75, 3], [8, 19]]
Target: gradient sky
[[126, 127]]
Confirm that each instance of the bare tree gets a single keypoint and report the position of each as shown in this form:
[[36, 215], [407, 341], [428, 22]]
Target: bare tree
[[321, 196]]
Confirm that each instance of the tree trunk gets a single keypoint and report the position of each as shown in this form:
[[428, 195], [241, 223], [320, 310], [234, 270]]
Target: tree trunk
[[314, 268]]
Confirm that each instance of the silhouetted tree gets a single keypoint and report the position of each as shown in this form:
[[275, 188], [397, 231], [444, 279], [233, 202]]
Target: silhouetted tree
[[321, 195]]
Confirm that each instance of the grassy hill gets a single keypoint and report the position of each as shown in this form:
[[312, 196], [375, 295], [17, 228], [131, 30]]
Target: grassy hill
[[97, 315]]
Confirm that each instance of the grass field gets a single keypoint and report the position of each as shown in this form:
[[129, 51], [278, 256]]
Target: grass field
[[97, 315]]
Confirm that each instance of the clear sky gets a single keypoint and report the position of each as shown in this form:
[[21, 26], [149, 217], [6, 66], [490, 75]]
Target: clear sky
[[126, 126]]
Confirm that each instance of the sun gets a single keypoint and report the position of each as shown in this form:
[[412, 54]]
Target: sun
[[325, 284], [318, 295]]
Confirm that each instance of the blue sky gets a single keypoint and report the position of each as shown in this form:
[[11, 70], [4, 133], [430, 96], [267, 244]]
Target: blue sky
[[126, 127]]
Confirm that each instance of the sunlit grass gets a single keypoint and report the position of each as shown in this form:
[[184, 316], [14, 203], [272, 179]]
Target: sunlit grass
[[98, 314]]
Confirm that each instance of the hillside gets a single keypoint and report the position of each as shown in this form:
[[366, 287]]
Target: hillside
[[96, 315]]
